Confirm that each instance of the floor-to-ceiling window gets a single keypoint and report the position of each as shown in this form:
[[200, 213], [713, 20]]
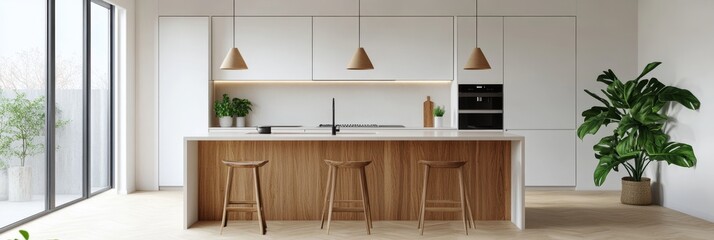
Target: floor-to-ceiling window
[[101, 96], [23, 82], [55, 105], [69, 91]]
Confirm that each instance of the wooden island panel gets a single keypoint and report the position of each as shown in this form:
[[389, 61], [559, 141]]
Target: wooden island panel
[[294, 180]]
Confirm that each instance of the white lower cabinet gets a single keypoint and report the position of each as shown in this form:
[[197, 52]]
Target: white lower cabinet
[[183, 90], [550, 157]]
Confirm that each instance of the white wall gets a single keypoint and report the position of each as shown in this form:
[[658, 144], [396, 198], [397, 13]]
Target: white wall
[[147, 164], [606, 39], [125, 155], [309, 104], [680, 35]]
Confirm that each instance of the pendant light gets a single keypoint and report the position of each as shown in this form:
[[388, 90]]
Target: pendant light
[[233, 60], [477, 61], [360, 61]]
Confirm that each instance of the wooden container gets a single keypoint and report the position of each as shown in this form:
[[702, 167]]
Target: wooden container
[[428, 112]]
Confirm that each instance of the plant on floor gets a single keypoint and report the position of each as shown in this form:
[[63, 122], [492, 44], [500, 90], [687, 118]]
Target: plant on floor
[[639, 138], [242, 107], [223, 107], [439, 111]]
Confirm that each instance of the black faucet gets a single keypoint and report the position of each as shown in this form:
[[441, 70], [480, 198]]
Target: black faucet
[[335, 128]]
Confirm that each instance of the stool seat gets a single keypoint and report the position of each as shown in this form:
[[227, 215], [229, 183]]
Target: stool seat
[[348, 164], [443, 164], [245, 164]]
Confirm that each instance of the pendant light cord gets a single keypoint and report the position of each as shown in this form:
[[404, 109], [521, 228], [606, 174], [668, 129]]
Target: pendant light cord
[[359, 23], [234, 23], [476, 17]]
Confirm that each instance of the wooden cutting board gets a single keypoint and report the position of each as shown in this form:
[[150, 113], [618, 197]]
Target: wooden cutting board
[[428, 112]]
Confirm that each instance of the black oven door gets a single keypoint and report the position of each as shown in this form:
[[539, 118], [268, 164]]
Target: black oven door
[[482, 102], [481, 119]]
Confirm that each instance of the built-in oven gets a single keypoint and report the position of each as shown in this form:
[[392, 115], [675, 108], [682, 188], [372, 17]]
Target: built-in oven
[[481, 106]]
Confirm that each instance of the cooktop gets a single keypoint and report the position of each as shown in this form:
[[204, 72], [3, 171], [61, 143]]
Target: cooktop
[[362, 125]]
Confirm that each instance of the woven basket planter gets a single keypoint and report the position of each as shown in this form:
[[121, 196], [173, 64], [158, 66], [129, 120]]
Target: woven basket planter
[[636, 193]]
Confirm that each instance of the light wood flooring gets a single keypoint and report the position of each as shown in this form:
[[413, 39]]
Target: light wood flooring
[[549, 215]]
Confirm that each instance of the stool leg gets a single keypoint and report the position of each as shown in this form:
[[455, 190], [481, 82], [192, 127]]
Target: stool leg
[[463, 199], [365, 206], [366, 191], [468, 205], [333, 181], [327, 194], [423, 200], [258, 200], [229, 180]]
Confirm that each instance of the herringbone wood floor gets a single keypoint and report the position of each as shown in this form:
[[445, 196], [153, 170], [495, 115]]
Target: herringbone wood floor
[[550, 215]]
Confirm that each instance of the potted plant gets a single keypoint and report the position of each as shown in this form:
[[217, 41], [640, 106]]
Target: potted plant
[[224, 111], [639, 138], [241, 107], [439, 116], [25, 122]]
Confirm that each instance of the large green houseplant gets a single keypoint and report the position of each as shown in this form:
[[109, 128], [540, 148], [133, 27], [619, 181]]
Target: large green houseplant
[[639, 138]]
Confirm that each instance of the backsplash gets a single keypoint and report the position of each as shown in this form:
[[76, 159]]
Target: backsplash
[[309, 103]]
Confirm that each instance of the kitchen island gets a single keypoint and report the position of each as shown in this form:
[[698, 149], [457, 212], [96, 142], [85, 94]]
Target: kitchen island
[[295, 178]]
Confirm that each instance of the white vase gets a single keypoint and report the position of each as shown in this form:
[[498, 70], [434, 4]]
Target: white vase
[[438, 122], [20, 184], [3, 184], [240, 121], [225, 121]]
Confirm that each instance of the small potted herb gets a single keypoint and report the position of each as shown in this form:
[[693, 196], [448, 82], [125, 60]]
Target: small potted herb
[[241, 108], [439, 116], [224, 111]]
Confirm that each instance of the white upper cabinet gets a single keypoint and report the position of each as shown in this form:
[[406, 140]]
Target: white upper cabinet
[[490, 39], [539, 76], [401, 48], [274, 48]]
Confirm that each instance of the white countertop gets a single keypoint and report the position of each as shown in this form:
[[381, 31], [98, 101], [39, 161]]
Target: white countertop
[[359, 135]]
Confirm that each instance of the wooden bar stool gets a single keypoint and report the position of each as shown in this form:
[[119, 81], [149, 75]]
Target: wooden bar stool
[[463, 202], [235, 206], [330, 193]]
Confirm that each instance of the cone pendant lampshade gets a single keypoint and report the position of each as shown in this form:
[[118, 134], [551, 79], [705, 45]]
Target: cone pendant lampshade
[[234, 61], [477, 61], [360, 61]]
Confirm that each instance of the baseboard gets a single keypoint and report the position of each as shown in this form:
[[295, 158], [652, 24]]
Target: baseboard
[[171, 188]]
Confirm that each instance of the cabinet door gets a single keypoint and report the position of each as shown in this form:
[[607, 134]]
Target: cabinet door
[[274, 48], [490, 40], [550, 157], [183, 90], [401, 48], [539, 73]]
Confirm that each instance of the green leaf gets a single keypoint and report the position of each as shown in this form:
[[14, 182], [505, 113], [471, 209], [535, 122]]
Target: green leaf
[[602, 100], [604, 166], [607, 77], [648, 69], [684, 97], [679, 154], [625, 125], [592, 125], [25, 234]]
